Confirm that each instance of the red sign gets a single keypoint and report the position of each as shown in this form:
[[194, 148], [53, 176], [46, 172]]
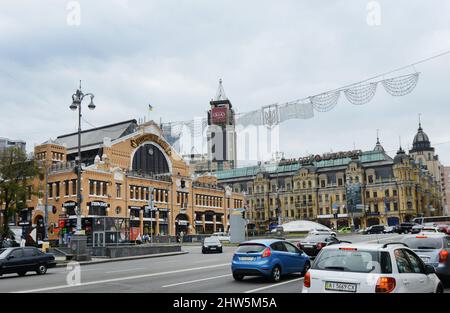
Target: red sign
[[134, 233], [219, 115]]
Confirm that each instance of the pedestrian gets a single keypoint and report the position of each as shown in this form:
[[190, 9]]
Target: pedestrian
[[23, 241], [139, 239]]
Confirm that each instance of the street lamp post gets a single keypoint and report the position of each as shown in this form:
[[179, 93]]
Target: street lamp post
[[77, 99]]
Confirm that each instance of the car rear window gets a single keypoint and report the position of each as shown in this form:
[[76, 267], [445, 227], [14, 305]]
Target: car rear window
[[316, 238], [356, 261], [211, 240], [424, 243], [250, 248]]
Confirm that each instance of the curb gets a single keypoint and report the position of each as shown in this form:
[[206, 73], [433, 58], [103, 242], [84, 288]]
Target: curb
[[137, 257]]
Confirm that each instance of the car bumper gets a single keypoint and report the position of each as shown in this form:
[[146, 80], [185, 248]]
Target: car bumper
[[51, 264], [262, 268]]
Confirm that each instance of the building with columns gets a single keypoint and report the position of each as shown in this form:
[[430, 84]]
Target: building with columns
[[125, 165], [359, 188]]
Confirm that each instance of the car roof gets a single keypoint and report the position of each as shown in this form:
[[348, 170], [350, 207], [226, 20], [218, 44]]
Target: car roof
[[266, 242], [363, 246]]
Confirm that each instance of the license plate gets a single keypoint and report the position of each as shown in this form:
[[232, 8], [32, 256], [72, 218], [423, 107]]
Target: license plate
[[340, 286], [246, 258], [213, 248], [426, 259], [307, 246]]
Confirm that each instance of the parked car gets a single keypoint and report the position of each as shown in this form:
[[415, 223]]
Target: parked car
[[322, 231], [404, 228], [389, 229], [269, 258], [370, 268], [345, 230], [374, 229], [312, 244], [212, 244], [433, 249], [223, 237], [23, 260]]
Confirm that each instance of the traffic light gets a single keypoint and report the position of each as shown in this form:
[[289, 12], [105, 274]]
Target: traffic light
[[243, 214]]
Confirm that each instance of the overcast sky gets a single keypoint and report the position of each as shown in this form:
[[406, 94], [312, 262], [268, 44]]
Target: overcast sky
[[171, 54]]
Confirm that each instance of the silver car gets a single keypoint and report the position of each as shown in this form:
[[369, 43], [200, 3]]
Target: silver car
[[434, 250]]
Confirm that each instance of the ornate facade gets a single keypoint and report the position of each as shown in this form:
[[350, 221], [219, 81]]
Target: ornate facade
[[339, 189]]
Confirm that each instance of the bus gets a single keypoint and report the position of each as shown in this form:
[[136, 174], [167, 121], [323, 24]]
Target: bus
[[432, 220]]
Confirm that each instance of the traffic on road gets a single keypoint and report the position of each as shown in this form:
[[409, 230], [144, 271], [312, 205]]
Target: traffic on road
[[355, 263]]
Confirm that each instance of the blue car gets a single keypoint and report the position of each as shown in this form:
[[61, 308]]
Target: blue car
[[269, 258]]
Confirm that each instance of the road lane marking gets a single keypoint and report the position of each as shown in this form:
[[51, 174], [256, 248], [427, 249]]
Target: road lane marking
[[122, 279], [128, 270], [195, 281], [274, 285]]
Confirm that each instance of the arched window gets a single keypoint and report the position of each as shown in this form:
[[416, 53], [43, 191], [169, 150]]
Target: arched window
[[148, 159]]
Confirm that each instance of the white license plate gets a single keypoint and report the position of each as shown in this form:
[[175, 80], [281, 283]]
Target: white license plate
[[213, 248], [426, 259], [307, 246], [335, 286], [246, 258]]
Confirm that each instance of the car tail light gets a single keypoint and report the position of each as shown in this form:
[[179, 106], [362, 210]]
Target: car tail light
[[307, 280], [443, 256], [266, 253], [319, 246], [421, 237], [348, 249], [385, 285]]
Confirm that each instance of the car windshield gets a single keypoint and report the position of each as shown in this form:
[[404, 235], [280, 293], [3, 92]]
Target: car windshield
[[353, 261], [316, 238], [251, 248], [424, 243], [211, 240], [3, 253]]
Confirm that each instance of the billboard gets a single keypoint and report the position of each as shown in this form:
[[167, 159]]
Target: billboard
[[219, 115]]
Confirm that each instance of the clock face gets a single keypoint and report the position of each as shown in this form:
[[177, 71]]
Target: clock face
[[150, 151], [178, 183]]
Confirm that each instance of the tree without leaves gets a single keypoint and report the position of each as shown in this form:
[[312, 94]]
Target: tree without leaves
[[15, 170]]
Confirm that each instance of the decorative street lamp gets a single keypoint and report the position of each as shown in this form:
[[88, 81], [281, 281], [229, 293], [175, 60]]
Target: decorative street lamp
[[77, 99]]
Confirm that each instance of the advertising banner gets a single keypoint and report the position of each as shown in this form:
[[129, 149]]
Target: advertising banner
[[219, 115]]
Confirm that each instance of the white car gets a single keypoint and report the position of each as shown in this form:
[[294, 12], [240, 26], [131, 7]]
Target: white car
[[370, 268], [223, 237], [322, 231], [429, 229]]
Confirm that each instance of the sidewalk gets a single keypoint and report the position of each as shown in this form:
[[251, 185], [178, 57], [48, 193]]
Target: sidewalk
[[62, 262]]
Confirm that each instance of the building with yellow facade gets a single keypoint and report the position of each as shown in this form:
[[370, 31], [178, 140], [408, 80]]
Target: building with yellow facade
[[342, 189]]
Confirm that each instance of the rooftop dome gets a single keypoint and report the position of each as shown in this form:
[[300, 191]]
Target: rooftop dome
[[421, 141], [378, 147]]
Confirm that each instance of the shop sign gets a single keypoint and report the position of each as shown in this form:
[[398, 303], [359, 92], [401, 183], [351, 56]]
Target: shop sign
[[219, 115]]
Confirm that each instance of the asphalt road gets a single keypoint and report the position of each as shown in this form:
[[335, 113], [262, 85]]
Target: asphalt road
[[192, 272]]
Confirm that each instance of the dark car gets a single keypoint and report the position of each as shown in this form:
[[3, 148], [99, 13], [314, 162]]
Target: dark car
[[312, 244], [404, 228], [212, 244], [23, 260], [375, 229], [433, 249]]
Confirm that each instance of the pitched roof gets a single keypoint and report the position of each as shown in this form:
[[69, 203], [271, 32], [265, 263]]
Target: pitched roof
[[93, 138]]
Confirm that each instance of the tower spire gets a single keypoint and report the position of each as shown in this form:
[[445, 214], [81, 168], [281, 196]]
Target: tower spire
[[220, 95], [420, 121]]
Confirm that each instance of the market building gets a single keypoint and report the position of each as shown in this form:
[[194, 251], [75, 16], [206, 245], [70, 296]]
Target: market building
[[125, 166], [359, 188]]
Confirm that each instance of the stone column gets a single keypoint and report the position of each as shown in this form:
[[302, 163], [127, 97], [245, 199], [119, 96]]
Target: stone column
[[214, 221], [141, 222], [157, 222], [203, 222]]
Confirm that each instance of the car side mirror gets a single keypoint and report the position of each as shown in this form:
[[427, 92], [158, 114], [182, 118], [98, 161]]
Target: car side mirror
[[300, 251], [429, 269], [10, 257]]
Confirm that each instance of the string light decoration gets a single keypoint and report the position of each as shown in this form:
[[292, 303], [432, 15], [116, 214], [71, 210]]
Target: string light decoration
[[402, 85], [361, 94], [357, 94]]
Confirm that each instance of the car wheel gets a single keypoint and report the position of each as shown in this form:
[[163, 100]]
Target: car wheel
[[440, 289], [21, 274], [42, 269], [275, 276], [238, 277], [306, 268]]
